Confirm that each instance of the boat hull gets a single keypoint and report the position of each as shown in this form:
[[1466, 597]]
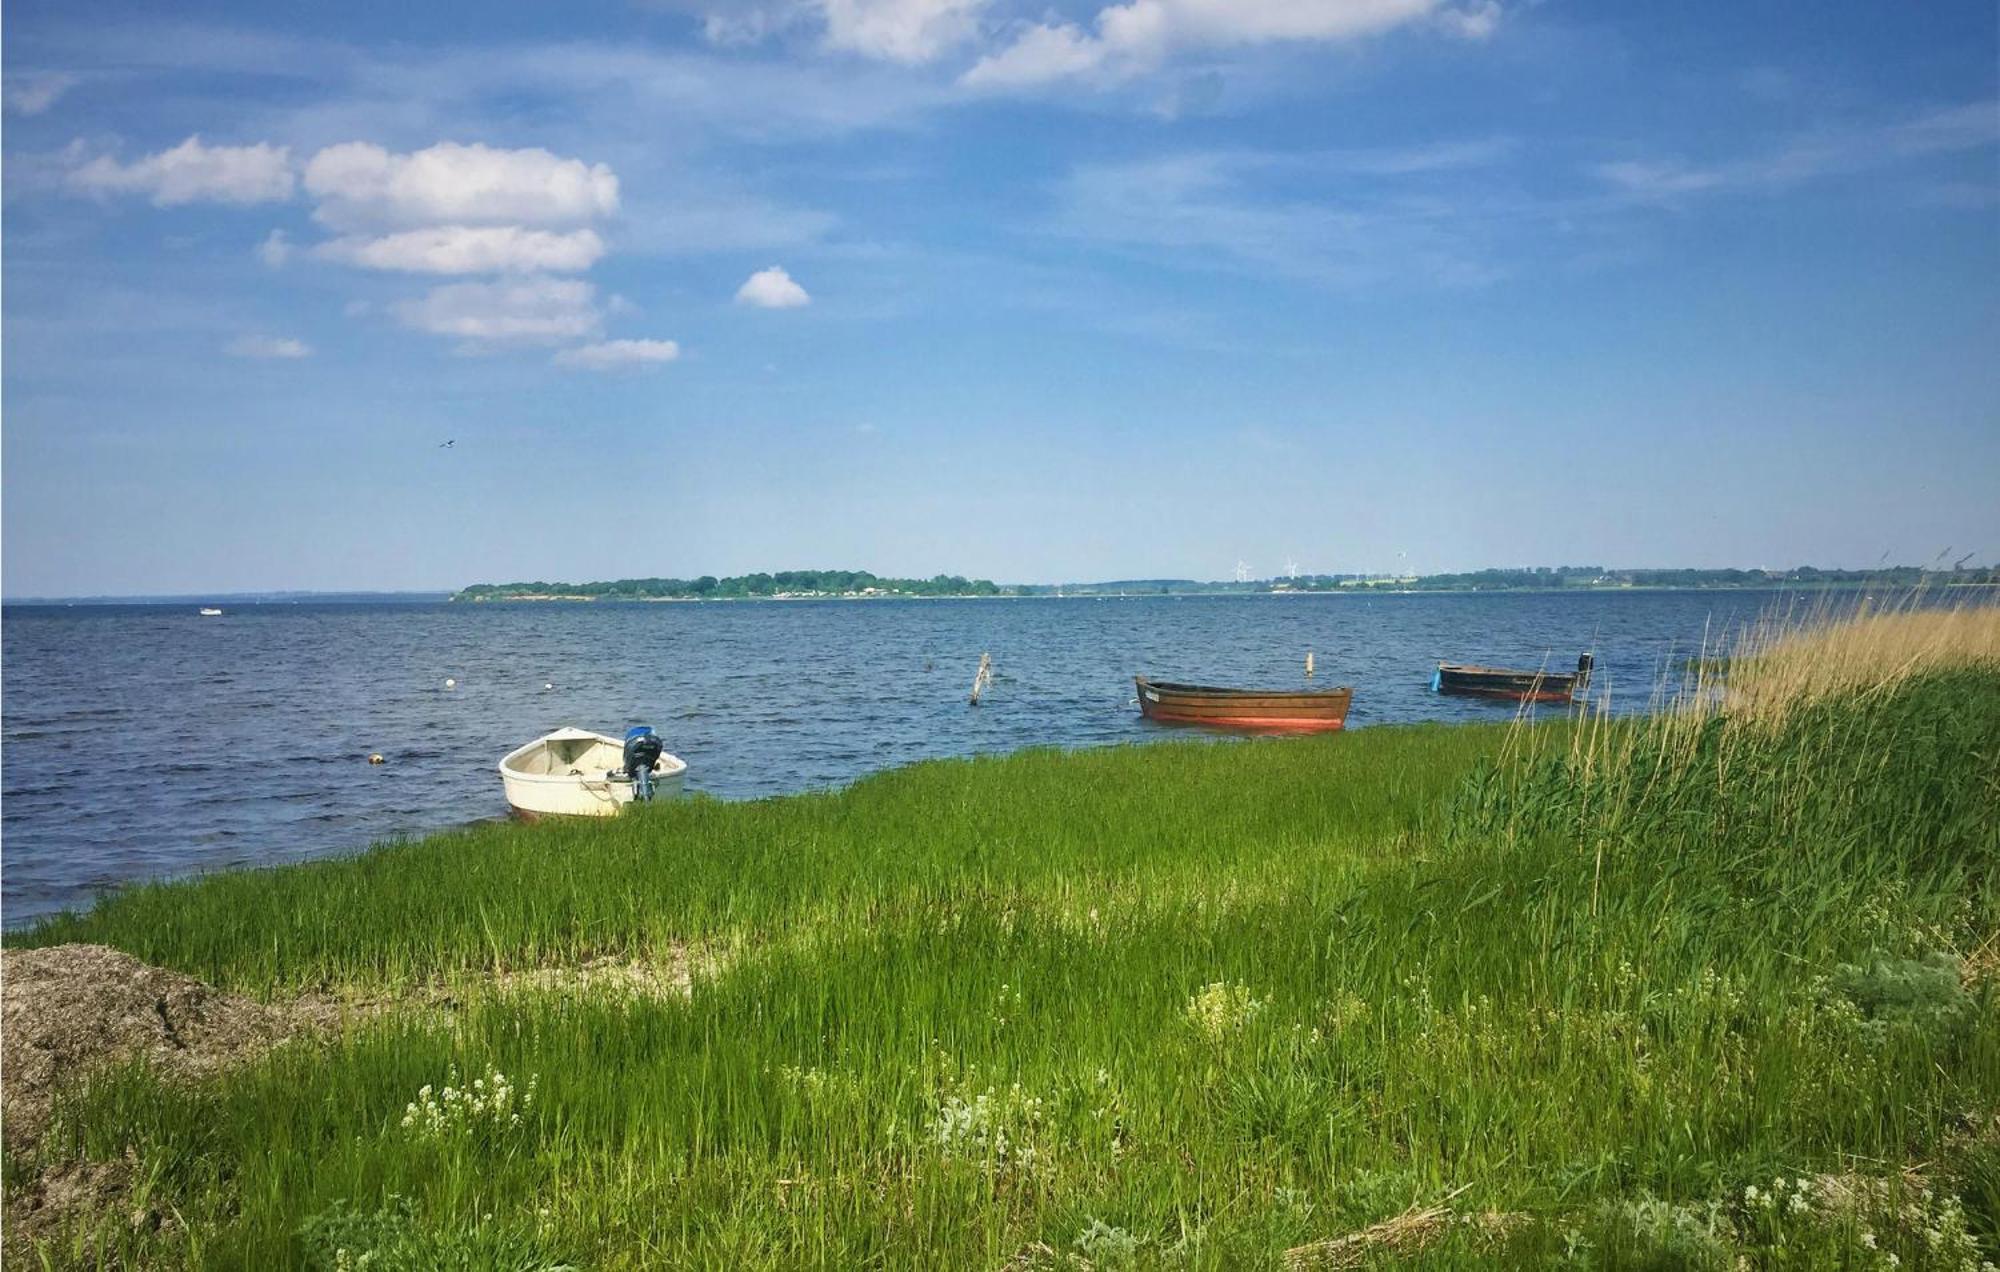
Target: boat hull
[[1507, 684], [576, 785], [1264, 710]]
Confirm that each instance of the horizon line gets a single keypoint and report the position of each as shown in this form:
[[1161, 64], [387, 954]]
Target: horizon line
[[255, 596]]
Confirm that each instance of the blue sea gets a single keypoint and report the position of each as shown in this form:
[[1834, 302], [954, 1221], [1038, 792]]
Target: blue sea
[[143, 741]]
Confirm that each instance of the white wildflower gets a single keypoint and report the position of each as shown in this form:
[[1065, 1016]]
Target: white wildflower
[[1222, 1009], [491, 1103]]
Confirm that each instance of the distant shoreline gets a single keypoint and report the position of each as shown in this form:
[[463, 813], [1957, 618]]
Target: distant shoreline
[[543, 599], [1084, 591], [794, 585]]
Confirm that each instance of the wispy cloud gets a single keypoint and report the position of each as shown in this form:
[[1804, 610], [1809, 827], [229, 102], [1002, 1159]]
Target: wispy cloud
[[275, 250], [906, 31], [278, 347], [33, 92], [706, 214], [1811, 157], [194, 172], [616, 355], [1126, 39], [1225, 211]]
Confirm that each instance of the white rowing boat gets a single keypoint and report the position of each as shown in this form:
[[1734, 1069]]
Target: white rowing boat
[[577, 773]]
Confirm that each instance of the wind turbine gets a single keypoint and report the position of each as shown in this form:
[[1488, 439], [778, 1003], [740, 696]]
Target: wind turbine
[[1242, 572]]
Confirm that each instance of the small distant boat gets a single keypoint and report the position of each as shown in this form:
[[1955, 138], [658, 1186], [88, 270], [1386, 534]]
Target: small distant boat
[[1301, 710], [1517, 686], [209, 611], [577, 773]]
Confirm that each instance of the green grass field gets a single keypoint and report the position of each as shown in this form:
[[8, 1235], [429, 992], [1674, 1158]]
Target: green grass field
[[1644, 994]]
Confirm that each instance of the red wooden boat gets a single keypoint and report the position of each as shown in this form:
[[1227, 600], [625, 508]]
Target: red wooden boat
[[1517, 686], [1304, 711]]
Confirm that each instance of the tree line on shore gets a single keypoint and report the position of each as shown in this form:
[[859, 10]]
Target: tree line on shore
[[709, 587], [793, 583]]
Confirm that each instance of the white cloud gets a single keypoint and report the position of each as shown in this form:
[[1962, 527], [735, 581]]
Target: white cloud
[[470, 249], [194, 173], [275, 250], [267, 347], [772, 288], [1042, 53], [32, 92], [1137, 35], [529, 311], [908, 31], [360, 186], [610, 355]]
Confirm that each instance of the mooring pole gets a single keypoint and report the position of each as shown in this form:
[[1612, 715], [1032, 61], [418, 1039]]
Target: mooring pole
[[982, 678], [1309, 664]]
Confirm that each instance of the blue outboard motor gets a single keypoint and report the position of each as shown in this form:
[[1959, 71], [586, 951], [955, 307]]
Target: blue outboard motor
[[642, 752]]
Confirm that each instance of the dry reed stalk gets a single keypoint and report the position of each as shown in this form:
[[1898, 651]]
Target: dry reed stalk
[[1778, 666], [1406, 1233]]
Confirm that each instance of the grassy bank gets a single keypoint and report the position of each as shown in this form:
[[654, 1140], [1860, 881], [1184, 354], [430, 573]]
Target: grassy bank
[[1580, 992]]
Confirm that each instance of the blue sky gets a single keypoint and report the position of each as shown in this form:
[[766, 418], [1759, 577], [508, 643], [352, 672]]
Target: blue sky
[[1028, 291]]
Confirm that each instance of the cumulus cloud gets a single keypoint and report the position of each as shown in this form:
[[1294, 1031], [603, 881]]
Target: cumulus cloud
[[534, 310], [194, 173], [470, 249], [267, 347], [772, 288], [1139, 34], [611, 355], [361, 186], [32, 92]]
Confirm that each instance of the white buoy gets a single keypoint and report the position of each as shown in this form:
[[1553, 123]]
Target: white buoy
[[549, 685], [449, 683]]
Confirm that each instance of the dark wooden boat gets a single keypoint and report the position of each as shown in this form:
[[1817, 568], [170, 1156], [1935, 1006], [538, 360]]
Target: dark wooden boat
[[1518, 686], [1309, 710]]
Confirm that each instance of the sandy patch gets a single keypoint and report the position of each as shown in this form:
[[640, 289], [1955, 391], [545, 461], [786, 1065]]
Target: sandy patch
[[69, 1009]]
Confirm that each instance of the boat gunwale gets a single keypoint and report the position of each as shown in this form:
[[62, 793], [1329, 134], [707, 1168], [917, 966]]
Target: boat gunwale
[[1303, 696], [668, 766], [1475, 669]]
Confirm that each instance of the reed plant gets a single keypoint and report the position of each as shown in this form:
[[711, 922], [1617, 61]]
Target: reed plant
[[1696, 990]]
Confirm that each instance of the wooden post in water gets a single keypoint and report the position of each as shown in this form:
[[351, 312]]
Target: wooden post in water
[[1309, 664], [982, 678]]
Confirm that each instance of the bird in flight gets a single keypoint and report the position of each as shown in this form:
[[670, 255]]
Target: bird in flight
[[447, 445]]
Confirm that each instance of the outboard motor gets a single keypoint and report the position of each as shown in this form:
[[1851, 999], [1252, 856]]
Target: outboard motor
[[1584, 665], [642, 752]]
